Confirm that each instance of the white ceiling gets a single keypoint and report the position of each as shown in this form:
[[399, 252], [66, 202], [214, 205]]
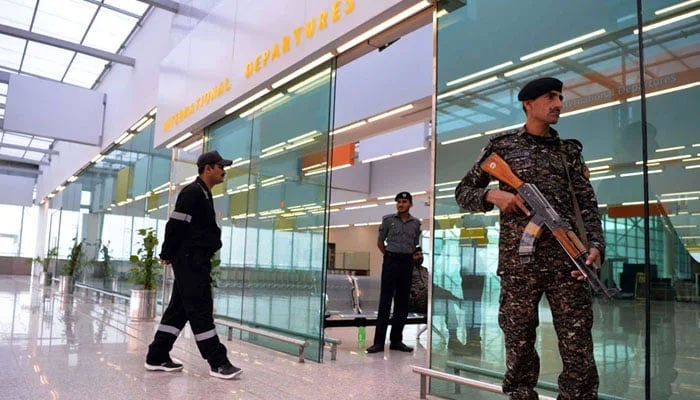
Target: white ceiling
[[100, 24]]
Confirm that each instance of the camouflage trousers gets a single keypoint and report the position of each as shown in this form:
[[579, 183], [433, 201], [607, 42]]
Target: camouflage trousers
[[571, 306]]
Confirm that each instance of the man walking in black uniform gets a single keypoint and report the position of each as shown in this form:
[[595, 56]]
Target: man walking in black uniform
[[401, 231], [192, 236]]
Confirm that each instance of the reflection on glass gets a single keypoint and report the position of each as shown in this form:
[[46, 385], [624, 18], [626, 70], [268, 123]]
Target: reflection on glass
[[122, 192], [592, 47], [272, 210]]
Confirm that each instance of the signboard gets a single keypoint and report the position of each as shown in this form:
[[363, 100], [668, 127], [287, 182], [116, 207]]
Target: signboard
[[241, 46]]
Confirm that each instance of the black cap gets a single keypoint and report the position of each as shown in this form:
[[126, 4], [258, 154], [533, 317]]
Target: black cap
[[538, 87], [212, 157], [404, 195]]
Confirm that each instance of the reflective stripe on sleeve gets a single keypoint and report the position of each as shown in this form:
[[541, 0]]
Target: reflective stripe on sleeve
[[181, 216], [205, 335], [169, 329]]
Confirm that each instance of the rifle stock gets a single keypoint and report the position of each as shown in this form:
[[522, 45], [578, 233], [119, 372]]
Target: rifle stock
[[497, 167], [544, 214]]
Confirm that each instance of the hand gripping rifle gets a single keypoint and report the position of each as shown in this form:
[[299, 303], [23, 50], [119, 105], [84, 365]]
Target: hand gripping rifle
[[544, 214]]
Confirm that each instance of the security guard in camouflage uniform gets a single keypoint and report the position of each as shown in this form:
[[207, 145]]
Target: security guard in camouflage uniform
[[537, 155], [192, 236], [401, 232]]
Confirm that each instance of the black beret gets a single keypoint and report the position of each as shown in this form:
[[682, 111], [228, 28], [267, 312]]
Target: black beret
[[538, 87], [404, 195]]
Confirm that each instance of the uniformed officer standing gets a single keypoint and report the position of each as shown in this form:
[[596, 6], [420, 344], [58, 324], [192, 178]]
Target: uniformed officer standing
[[538, 156], [401, 231], [192, 236]]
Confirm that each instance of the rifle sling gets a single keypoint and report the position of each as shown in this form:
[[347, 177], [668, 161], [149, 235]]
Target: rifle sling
[[579, 219]]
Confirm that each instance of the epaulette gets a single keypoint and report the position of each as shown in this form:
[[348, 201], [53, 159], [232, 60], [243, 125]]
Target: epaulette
[[575, 143], [504, 135]]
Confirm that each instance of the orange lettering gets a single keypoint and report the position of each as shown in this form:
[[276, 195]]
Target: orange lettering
[[297, 36], [323, 20], [335, 11], [248, 70], [257, 63], [227, 84], [266, 57], [310, 28], [349, 6], [285, 44], [275, 52]]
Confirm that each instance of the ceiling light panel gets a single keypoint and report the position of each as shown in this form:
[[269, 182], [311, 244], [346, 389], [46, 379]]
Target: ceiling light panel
[[109, 30], [41, 143], [34, 155], [17, 13], [132, 6], [64, 19], [11, 50], [11, 152], [84, 70], [16, 139], [47, 61]]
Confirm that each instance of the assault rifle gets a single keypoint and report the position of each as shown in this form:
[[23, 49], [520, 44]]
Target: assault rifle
[[545, 215]]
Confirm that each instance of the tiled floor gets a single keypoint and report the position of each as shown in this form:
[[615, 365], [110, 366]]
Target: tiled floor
[[76, 347]]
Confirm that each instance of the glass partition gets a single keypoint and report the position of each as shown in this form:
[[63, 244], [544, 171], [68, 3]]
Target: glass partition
[[110, 200], [593, 48], [272, 209], [672, 76]]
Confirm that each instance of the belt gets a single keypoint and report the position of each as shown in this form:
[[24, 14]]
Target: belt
[[394, 254]]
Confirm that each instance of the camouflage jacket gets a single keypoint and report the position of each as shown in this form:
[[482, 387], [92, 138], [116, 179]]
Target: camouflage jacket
[[540, 161]]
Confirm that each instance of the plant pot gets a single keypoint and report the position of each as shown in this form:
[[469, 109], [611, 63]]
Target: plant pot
[[45, 278], [66, 284], [142, 305]]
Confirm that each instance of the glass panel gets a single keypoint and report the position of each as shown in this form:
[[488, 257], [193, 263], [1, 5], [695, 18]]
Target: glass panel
[[109, 30], [16, 139], [591, 47], [672, 77], [10, 229], [47, 61], [108, 203], [134, 6], [30, 224], [40, 143], [63, 19], [84, 70], [34, 155], [11, 152], [269, 274], [17, 13]]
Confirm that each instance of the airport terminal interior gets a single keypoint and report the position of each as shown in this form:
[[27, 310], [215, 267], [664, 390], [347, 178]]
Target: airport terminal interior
[[328, 108]]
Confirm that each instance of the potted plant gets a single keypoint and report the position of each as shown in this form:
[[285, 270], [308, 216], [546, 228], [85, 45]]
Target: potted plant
[[46, 276], [71, 269], [144, 274], [106, 267]]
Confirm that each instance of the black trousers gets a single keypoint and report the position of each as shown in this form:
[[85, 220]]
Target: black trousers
[[191, 300], [397, 271]]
